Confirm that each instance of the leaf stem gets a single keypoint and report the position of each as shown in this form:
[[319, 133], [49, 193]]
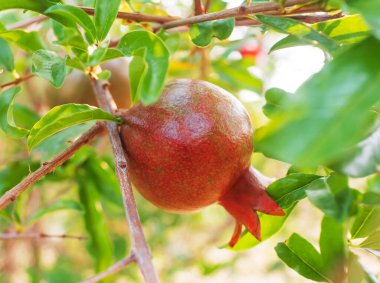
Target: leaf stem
[[17, 81]]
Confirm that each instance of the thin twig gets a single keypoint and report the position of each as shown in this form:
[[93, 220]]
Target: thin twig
[[139, 245], [230, 13], [112, 269], [198, 7], [48, 167], [16, 236], [27, 22], [135, 17], [17, 81]]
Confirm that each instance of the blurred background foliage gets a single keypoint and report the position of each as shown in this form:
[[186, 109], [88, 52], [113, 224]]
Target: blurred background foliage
[[82, 197]]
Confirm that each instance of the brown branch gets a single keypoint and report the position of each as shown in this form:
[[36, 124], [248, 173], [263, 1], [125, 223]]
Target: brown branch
[[16, 236], [139, 245], [112, 269], [17, 81], [48, 167], [135, 17], [207, 5], [27, 22], [198, 7], [230, 13]]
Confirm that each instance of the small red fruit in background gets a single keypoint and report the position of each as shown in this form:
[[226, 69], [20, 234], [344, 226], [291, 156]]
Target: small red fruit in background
[[250, 49], [191, 149]]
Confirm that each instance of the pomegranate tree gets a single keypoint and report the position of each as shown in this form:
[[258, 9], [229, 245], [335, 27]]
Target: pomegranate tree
[[191, 149]]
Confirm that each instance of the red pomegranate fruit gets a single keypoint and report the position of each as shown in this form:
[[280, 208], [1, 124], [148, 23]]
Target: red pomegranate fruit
[[192, 148]]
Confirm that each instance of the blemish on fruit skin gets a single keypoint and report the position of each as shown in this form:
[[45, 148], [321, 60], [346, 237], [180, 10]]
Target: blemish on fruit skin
[[191, 149]]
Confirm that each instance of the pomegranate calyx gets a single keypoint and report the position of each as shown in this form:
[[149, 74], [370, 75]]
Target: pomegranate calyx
[[243, 200]]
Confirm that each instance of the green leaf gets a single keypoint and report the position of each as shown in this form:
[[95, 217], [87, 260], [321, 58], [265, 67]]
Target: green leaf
[[274, 98], [149, 83], [300, 31], [370, 10], [69, 36], [237, 76], [270, 225], [71, 16], [6, 114], [38, 6], [366, 222], [29, 41], [305, 132], [171, 40], [62, 117], [372, 241], [346, 30], [301, 256], [58, 205], [335, 204], [356, 273], [48, 65], [105, 178], [11, 174], [289, 190], [24, 116], [99, 53], [332, 243], [59, 141], [105, 14], [202, 33], [100, 245], [6, 56], [362, 159]]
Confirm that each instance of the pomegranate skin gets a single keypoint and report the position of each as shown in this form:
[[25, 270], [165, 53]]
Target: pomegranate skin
[[189, 148]]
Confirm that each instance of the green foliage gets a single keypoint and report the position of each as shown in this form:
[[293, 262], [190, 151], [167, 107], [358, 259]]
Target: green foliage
[[274, 98], [57, 206], [62, 117], [99, 243], [366, 222], [6, 114], [305, 132], [6, 56], [289, 190], [347, 30], [72, 16], [29, 41], [149, 66], [202, 33], [48, 65], [300, 31], [301, 256], [105, 14], [370, 10]]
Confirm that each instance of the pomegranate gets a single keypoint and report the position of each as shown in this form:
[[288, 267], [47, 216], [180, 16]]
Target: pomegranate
[[192, 148]]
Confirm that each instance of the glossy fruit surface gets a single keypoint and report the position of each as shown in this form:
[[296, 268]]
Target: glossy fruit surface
[[192, 148]]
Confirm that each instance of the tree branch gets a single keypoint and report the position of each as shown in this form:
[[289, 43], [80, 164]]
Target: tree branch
[[230, 13], [198, 7], [139, 245], [112, 269], [48, 167], [16, 236], [135, 17], [17, 81]]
